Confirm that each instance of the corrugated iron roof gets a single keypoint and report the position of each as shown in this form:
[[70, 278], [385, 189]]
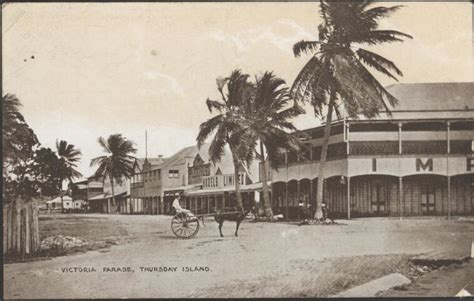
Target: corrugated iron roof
[[433, 96]]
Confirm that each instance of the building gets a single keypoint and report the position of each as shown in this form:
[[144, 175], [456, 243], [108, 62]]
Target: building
[[95, 193], [122, 195], [155, 180], [175, 180], [204, 185], [85, 191], [419, 161], [212, 186], [145, 187]]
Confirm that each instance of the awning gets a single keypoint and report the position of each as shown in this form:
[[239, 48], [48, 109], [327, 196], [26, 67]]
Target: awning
[[106, 196], [178, 190], [245, 188], [97, 197], [58, 199]]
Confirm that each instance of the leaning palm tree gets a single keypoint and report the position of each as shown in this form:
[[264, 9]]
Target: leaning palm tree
[[68, 159], [267, 120], [228, 123], [336, 76], [117, 164]]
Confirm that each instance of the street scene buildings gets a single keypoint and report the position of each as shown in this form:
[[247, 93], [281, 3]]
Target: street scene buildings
[[401, 165], [238, 150]]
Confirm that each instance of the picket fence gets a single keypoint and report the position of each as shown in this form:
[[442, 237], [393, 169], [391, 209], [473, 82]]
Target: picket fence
[[20, 229]]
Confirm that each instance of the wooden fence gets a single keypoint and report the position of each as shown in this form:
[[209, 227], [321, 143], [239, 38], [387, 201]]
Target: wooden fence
[[20, 229]]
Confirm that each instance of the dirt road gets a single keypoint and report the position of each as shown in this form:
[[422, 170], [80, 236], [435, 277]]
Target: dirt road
[[202, 265]]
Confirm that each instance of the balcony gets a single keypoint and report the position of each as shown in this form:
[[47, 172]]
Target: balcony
[[136, 185], [221, 181]]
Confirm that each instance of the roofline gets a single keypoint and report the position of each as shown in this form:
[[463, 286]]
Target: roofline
[[415, 111], [402, 120]]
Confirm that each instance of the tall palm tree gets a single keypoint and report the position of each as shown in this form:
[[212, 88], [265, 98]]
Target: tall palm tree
[[267, 120], [117, 164], [69, 156], [336, 75], [228, 123]]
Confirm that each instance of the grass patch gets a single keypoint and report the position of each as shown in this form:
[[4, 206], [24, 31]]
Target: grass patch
[[347, 272], [312, 278], [91, 228], [98, 231]]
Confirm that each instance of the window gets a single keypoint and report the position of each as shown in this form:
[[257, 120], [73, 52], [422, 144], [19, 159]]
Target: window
[[173, 173]]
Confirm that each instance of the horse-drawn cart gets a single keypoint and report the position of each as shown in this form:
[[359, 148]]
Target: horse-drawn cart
[[185, 224]]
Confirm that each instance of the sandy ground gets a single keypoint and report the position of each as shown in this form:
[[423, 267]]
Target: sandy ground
[[285, 254]]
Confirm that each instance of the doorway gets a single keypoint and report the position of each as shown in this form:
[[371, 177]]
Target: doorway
[[378, 199], [427, 199]]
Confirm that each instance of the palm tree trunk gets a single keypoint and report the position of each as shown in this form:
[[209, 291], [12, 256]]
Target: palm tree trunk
[[61, 194], [113, 195], [266, 195], [322, 161], [62, 202], [236, 180]]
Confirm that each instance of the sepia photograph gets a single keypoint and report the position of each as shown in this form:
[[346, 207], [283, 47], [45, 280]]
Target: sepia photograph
[[317, 149]]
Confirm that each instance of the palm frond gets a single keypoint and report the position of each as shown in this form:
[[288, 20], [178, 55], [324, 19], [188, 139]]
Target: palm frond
[[305, 47], [362, 93], [374, 37], [207, 127], [379, 12], [217, 147], [214, 104], [378, 62], [102, 142], [311, 83]]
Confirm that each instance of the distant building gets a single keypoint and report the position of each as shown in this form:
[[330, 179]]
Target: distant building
[[419, 161], [85, 191], [94, 193]]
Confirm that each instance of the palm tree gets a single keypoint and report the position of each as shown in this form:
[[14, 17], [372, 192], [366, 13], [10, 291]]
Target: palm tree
[[267, 120], [337, 76], [228, 123], [68, 158], [18, 138], [117, 164]]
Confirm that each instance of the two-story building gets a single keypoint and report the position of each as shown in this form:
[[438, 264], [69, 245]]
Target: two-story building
[[102, 201], [215, 183], [85, 191], [206, 186], [145, 186], [175, 178], [418, 161]]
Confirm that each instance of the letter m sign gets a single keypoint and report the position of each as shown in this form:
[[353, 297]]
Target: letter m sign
[[420, 165]]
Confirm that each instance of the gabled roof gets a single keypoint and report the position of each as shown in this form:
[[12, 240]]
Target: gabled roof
[[433, 96], [226, 163], [156, 161], [180, 157]]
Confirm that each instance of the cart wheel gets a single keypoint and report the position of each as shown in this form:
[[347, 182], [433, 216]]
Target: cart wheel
[[185, 225]]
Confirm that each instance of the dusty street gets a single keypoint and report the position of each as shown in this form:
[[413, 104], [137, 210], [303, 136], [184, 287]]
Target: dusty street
[[267, 259]]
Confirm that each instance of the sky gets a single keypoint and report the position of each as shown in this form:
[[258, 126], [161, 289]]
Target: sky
[[106, 68]]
